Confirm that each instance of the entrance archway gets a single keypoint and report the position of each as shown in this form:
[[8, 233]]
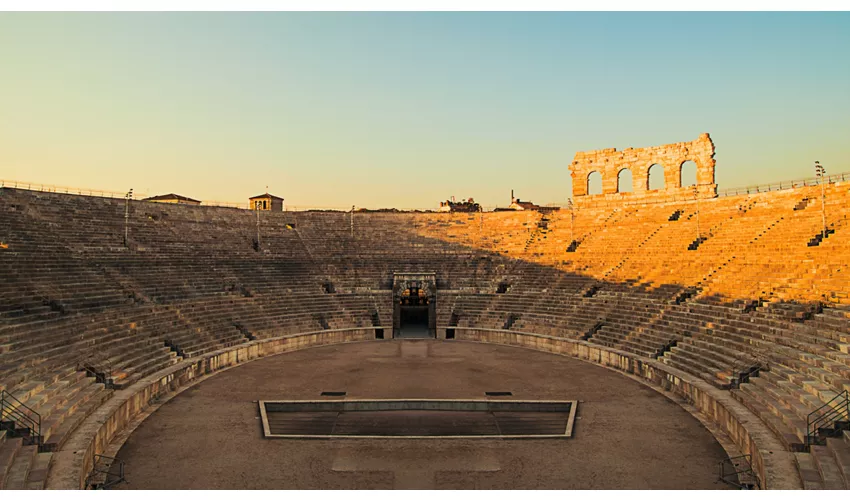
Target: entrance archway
[[414, 305]]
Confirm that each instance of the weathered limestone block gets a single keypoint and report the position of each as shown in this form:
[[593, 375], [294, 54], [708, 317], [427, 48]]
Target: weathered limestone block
[[610, 162]]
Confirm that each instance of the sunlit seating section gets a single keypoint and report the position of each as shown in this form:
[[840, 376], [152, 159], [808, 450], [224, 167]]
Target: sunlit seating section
[[740, 292]]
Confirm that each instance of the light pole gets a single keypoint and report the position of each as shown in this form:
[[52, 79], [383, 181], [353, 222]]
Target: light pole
[[127, 198], [257, 209], [481, 220], [352, 221], [820, 171], [572, 220], [696, 196]]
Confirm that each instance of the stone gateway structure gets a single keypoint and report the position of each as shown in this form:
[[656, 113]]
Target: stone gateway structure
[[612, 165]]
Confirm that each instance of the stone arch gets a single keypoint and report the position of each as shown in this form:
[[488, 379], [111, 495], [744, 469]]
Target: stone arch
[[594, 182], [655, 177], [687, 173], [608, 162], [625, 183]]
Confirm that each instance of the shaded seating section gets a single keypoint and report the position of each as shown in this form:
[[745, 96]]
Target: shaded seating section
[[753, 307]]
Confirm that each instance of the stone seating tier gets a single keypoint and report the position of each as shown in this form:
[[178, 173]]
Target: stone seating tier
[[753, 309]]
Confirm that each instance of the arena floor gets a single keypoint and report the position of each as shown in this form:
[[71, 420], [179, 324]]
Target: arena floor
[[626, 435]]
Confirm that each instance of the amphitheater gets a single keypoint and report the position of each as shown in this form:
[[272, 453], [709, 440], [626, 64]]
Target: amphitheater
[[688, 337]]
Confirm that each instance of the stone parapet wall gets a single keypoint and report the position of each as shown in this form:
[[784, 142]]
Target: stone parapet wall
[[610, 162], [73, 463], [773, 464]]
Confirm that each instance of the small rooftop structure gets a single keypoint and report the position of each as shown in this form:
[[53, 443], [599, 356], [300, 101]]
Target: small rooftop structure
[[266, 202], [517, 204], [459, 206], [173, 198]]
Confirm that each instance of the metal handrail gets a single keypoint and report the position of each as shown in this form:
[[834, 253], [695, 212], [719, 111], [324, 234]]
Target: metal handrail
[[819, 418], [734, 477], [97, 365], [30, 419], [103, 466]]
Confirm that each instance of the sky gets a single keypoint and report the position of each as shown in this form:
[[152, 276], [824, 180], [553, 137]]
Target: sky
[[407, 109]]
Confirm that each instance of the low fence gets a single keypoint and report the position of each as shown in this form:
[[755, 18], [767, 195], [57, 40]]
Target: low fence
[[778, 186], [675, 198], [51, 188]]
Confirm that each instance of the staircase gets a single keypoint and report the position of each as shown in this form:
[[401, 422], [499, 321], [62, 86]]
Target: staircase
[[827, 465], [802, 204], [818, 238], [509, 322], [21, 465], [697, 242], [19, 420]]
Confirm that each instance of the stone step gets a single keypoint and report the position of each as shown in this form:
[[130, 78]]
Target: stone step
[[793, 436], [59, 430], [16, 476], [841, 452], [830, 472], [809, 473], [8, 450], [37, 477]]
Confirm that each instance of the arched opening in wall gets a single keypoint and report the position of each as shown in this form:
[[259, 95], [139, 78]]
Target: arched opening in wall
[[624, 181], [594, 183], [655, 178], [688, 172]]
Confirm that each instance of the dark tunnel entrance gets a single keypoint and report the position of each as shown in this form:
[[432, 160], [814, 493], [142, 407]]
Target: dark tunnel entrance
[[414, 311], [414, 322]]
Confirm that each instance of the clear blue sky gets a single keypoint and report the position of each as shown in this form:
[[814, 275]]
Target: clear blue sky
[[406, 109]]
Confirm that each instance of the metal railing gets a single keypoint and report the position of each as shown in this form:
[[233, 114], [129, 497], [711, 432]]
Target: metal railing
[[682, 197], [777, 186], [835, 410], [51, 188], [738, 472], [102, 475], [22, 416], [98, 366]]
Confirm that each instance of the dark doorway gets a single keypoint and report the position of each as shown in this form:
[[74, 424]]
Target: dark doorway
[[414, 305], [415, 310], [414, 322]]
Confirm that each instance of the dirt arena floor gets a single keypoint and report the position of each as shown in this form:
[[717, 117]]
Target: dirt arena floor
[[626, 435]]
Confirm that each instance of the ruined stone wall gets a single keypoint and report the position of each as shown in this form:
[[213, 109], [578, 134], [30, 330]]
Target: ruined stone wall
[[610, 162]]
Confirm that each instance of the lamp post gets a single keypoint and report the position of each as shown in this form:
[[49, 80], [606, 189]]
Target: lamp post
[[127, 198], [820, 172], [352, 221], [572, 220], [481, 220], [257, 209], [696, 196]]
